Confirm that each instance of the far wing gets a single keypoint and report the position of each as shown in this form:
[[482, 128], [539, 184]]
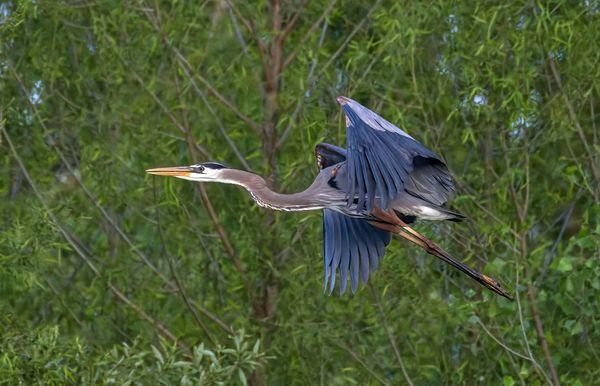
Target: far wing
[[430, 181], [351, 245], [379, 156], [328, 155]]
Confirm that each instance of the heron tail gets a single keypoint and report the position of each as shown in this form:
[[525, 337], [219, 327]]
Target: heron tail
[[452, 216]]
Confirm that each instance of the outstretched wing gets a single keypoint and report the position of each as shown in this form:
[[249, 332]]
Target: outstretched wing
[[380, 158], [351, 245]]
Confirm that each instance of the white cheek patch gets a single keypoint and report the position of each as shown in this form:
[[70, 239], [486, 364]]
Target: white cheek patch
[[198, 177], [208, 176]]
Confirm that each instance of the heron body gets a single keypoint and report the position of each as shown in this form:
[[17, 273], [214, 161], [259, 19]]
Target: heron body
[[382, 182]]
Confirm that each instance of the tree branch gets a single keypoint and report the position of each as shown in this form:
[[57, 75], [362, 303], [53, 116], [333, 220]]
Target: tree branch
[[539, 329], [201, 149], [214, 218], [111, 221], [89, 194], [308, 34], [162, 329], [238, 33], [187, 69], [355, 356], [220, 125], [349, 38], [578, 128], [292, 23], [180, 287], [390, 336], [309, 83]]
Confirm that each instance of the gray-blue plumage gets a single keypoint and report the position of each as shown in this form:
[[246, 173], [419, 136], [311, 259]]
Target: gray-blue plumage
[[351, 245], [383, 167], [381, 158], [384, 181]]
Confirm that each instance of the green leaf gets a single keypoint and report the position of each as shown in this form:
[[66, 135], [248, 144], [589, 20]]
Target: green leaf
[[565, 264], [158, 355], [508, 381], [242, 377]]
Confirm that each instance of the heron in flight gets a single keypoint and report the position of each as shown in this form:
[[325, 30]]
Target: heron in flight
[[380, 185]]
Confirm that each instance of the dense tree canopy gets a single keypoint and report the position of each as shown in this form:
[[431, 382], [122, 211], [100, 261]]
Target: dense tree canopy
[[110, 275]]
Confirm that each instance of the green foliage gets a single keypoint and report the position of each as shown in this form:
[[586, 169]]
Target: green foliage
[[40, 356], [145, 277]]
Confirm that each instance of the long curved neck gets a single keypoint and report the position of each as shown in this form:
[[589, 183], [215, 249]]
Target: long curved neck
[[310, 199]]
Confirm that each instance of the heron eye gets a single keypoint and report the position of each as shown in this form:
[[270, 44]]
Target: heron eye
[[198, 168]]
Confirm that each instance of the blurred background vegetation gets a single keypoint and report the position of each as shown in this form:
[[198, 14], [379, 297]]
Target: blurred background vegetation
[[108, 275]]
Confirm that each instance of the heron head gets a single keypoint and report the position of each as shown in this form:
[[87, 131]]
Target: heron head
[[204, 172]]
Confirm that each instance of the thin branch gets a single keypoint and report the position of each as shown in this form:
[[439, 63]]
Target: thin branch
[[308, 34], [248, 25], [349, 38], [276, 4], [284, 254], [364, 74], [237, 31], [160, 326], [220, 125], [573, 116], [593, 114], [89, 194], [390, 335], [202, 150], [214, 218], [118, 229], [187, 69], [262, 49], [62, 302], [523, 332], [548, 260], [292, 23], [80, 252], [540, 333], [504, 346], [360, 361], [309, 82], [276, 48], [180, 287]]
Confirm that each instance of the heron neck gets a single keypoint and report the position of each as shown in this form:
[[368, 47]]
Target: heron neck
[[309, 199]]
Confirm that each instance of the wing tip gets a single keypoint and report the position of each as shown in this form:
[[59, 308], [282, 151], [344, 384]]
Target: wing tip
[[354, 262]]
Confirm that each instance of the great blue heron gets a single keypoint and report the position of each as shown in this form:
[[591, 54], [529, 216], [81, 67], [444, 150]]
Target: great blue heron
[[380, 184]]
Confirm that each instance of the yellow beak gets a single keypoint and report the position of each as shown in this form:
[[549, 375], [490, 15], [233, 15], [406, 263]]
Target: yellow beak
[[176, 171]]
